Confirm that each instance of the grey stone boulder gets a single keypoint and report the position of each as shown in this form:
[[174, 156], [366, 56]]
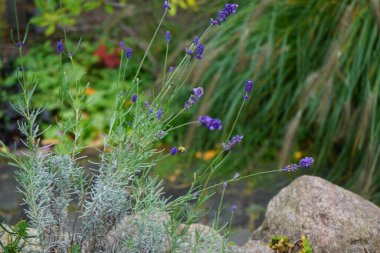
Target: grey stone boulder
[[334, 219], [255, 247]]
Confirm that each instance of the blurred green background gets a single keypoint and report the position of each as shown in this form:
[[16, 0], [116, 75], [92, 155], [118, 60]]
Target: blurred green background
[[316, 66]]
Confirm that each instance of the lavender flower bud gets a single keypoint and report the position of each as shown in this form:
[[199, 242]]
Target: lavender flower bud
[[134, 98], [199, 52], [20, 44], [196, 40], [159, 114], [167, 37], [291, 168], [60, 47], [166, 5], [128, 53], [232, 142], [224, 14], [306, 162], [173, 150], [210, 123]]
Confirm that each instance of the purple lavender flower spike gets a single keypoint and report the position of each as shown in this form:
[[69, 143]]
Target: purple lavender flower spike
[[128, 53], [291, 168], [173, 150], [189, 52], [194, 98], [171, 69], [249, 86], [199, 51], [166, 5], [60, 47], [224, 14], [198, 92], [121, 45], [196, 40], [306, 162], [159, 114], [134, 98], [210, 123], [167, 37], [234, 208], [232, 142], [146, 104]]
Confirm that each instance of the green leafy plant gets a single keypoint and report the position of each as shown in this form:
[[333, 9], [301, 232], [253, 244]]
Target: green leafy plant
[[51, 13], [281, 244], [91, 66], [15, 238]]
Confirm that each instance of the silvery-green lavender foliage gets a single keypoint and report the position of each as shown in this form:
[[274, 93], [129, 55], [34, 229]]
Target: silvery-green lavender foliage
[[120, 206]]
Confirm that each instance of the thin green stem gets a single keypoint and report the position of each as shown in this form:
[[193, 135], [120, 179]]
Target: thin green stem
[[150, 44], [120, 67], [236, 119], [178, 68], [165, 64], [16, 17], [186, 124], [241, 178], [125, 69], [214, 168], [170, 78], [64, 29], [171, 120], [219, 209]]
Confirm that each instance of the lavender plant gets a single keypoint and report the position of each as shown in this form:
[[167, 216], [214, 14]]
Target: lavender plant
[[120, 205]]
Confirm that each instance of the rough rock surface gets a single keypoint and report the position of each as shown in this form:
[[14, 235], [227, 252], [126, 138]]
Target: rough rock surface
[[334, 219], [255, 247]]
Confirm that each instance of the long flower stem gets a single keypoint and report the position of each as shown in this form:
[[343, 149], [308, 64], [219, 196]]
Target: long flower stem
[[213, 169], [166, 61], [241, 178], [219, 209], [178, 68], [186, 124], [149, 46], [120, 67], [236, 119], [171, 120]]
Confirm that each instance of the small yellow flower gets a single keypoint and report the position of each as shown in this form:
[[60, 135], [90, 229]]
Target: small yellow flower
[[182, 149], [298, 155]]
